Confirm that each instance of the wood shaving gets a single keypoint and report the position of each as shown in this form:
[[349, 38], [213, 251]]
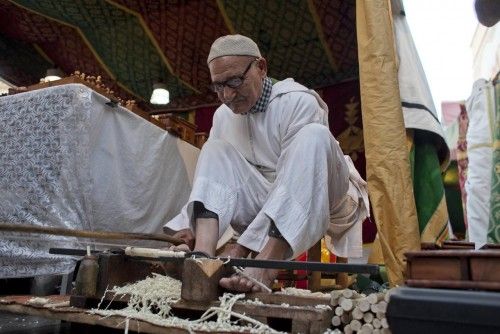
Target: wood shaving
[[256, 301], [55, 305], [302, 292], [38, 301], [151, 300]]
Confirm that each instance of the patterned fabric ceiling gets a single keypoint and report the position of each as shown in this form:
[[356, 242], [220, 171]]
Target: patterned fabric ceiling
[[134, 43]]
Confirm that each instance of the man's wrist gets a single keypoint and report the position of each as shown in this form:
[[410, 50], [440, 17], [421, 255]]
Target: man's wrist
[[274, 232]]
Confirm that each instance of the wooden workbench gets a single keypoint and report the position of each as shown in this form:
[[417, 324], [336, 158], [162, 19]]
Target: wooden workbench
[[297, 311]]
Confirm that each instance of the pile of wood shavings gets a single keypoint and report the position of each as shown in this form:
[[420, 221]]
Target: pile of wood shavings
[[302, 292], [38, 301], [151, 300]]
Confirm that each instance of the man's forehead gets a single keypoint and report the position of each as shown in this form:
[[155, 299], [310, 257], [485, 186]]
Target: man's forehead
[[232, 65]]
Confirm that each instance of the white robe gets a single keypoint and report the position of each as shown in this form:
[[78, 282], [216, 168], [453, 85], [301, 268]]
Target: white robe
[[282, 164]]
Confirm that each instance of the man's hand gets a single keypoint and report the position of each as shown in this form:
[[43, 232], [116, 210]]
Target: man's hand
[[187, 236]]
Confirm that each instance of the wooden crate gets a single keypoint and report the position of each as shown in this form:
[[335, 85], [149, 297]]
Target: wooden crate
[[454, 268]]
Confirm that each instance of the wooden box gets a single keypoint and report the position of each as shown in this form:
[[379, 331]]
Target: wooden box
[[454, 268], [485, 266]]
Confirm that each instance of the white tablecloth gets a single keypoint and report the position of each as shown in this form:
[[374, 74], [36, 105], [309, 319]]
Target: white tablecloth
[[67, 159]]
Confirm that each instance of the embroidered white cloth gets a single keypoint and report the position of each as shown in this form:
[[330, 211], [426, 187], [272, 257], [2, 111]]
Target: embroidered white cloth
[[67, 159], [281, 164], [480, 139]]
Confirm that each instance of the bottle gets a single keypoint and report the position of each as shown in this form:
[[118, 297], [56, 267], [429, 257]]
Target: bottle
[[86, 279]]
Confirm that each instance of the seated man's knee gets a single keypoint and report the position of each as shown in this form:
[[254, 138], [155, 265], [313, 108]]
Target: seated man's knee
[[217, 147], [314, 134]]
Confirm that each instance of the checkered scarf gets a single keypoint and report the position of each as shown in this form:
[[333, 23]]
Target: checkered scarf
[[263, 100]]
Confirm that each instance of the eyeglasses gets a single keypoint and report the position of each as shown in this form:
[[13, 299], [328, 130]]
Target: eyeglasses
[[233, 82]]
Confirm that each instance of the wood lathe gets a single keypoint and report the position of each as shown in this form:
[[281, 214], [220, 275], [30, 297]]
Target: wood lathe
[[101, 271]]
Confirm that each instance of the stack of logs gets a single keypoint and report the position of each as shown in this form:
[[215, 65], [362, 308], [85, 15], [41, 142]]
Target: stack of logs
[[358, 313]]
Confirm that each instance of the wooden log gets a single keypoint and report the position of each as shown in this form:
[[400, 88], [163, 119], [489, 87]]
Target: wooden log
[[339, 311], [334, 301], [382, 306], [336, 321], [200, 279], [374, 298], [336, 294], [345, 318], [355, 325], [364, 305], [368, 317], [376, 323], [357, 313], [347, 304], [348, 293], [366, 329], [348, 329], [387, 295]]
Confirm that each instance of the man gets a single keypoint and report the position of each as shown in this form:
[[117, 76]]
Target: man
[[270, 169]]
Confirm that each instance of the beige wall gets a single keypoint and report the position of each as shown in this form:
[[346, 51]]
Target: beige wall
[[485, 47]]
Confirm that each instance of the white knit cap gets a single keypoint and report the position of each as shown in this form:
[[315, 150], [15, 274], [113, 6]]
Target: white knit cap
[[233, 45]]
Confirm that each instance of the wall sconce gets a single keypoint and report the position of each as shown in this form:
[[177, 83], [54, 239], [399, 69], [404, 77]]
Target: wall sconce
[[160, 94], [53, 74]]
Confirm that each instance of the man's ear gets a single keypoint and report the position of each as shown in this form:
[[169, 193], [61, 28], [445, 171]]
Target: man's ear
[[262, 64]]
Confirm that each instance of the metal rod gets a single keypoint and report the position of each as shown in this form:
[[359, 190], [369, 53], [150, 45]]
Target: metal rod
[[88, 234], [299, 265], [267, 264]]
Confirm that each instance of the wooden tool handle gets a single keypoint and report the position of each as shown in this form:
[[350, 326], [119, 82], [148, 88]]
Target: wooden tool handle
[[88, 234]]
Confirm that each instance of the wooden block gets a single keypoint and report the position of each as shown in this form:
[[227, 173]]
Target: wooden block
[[200, 279], [446, 265], [130, 271], [485, 266]]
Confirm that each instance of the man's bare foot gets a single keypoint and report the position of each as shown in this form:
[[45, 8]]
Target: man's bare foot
[[275, 248], [240, 283], [233, 250]]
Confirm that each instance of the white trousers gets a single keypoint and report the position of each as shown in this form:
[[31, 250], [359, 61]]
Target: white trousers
[[311, 177], [478, 189]]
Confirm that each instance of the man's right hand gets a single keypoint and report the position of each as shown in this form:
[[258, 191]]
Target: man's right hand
[[187, 236]]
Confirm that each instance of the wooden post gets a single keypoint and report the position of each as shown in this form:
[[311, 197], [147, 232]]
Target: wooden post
[[314, 254], [200, 279], [342, 278]]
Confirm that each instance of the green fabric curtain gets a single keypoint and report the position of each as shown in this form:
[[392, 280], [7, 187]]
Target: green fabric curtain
[[428, 189]]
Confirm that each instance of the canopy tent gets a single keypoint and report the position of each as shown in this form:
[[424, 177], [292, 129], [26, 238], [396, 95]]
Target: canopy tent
[[132, 44]]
